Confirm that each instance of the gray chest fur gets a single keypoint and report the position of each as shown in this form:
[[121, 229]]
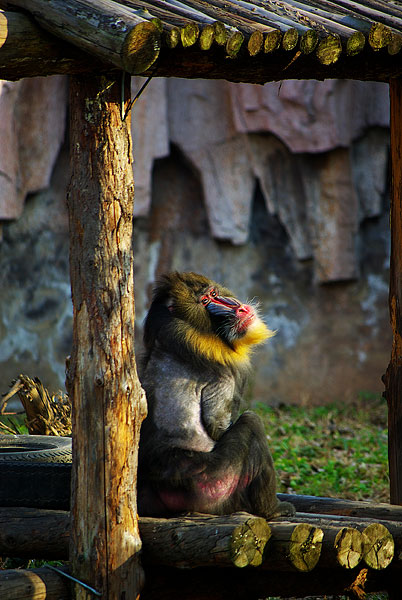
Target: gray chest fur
[[190, 408]]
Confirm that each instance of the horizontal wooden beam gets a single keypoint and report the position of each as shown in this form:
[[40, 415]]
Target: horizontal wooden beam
[[380, 511], [33, 584], [240, 540], [110, 32], [27, 50]]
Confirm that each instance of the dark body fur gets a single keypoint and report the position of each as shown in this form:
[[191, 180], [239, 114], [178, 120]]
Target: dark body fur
[[196, 453]]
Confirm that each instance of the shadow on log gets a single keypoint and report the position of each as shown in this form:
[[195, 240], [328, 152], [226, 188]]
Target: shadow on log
[[164, 583]]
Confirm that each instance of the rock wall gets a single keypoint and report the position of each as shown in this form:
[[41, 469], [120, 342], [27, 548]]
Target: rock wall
[[278, 191]]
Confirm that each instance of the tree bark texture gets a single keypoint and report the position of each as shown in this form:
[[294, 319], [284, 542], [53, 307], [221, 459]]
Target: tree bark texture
[[107, 399], [237, 540], [393, 377]]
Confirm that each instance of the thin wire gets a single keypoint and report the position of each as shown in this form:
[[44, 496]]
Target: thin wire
[[123, 81], [87, 587], [138, 94]]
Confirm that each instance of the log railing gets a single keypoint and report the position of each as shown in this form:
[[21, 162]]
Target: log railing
[[346, 550]]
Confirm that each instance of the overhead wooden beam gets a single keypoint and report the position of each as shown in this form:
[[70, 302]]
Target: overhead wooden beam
[[27, 50], [111, 32], [107, 399]]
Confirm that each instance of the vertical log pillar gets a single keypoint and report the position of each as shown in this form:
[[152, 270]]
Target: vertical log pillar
[[393, 377], [108, 401]]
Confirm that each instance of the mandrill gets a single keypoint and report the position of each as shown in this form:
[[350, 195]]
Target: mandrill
[[196, 453]]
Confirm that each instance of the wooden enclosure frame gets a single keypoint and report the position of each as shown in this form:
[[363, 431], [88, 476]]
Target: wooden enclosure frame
[[108, 402]]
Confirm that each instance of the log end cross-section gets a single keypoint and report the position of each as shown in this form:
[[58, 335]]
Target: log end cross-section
[[248, 542], [141, 47], [348, 546], [379, 546]]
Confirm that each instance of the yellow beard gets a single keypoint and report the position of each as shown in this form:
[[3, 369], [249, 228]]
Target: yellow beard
[[214, 349]]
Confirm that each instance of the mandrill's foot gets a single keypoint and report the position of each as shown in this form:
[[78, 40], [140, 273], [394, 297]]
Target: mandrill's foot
[[284, 509]]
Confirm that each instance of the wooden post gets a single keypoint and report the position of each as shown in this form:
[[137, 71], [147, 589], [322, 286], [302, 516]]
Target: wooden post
[[393, 377], [108, 401]]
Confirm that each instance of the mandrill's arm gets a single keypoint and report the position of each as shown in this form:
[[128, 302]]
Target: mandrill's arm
[[217, 406]]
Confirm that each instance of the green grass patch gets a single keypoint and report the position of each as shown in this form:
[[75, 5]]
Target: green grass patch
[[13, 424], [339, 450]]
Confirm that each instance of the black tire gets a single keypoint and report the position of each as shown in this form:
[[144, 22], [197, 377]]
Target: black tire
[[35, 471]]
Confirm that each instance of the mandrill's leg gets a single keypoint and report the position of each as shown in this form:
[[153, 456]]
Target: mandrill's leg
[[241, 474], [261, 493], [238, 474]]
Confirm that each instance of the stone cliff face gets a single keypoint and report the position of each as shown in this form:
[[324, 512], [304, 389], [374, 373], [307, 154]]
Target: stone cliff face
[[279, 191]]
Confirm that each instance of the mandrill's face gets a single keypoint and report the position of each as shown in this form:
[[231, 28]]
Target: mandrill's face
[[226, 328], [230, 318]]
